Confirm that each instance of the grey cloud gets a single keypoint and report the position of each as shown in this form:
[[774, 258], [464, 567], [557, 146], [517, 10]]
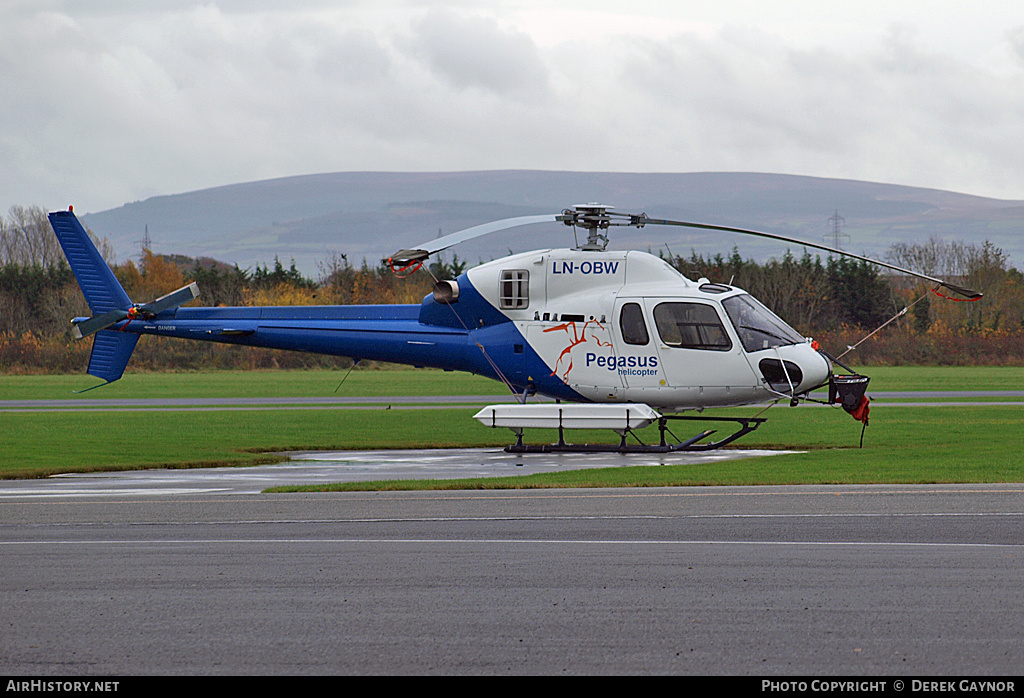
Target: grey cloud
[[890, 111], [99, 109], [474, 52], [356, 57], [1015, 37]]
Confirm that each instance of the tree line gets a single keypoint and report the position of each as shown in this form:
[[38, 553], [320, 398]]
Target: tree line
[[836, 300], [815, 295]]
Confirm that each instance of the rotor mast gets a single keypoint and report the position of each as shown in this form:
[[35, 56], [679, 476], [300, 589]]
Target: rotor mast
[[596, 219]]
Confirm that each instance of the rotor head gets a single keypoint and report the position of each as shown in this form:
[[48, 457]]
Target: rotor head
[[594, 218]]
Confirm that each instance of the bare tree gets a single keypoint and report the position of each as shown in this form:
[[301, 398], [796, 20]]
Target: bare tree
[[984, 267], [28, 239]]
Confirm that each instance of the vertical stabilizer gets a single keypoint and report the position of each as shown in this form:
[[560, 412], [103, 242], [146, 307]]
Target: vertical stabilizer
[[111, 351], [100, 287]]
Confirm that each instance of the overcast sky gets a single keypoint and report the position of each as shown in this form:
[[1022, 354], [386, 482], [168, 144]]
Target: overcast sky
[[110, 101]]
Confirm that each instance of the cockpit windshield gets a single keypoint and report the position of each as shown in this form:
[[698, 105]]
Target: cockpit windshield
[[758, 328]]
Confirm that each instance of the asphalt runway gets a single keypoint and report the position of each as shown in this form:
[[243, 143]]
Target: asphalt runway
[[814, 580]]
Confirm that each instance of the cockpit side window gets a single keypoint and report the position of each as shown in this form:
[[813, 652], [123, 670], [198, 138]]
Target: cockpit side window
[[758, 327], [632, 325], [691, 326]]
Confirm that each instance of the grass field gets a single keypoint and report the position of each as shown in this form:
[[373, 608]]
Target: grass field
[[402, 381], [244, 384], [903, 444]]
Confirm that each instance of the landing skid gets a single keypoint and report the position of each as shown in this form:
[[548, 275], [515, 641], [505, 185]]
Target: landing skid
[[746, 425]]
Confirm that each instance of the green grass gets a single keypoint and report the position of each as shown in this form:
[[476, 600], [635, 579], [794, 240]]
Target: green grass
[[244, 384], [938, 378], [34, 444], [903, 444], [383, 383]]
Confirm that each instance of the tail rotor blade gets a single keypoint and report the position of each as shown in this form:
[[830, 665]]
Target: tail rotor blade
[[98, 322], [171, 300], [112, 317]]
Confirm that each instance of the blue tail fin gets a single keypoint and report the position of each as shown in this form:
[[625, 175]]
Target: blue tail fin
[[111, 350], [100, 287]]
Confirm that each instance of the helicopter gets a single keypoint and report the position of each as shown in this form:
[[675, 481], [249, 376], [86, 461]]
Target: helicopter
[[618, 339]]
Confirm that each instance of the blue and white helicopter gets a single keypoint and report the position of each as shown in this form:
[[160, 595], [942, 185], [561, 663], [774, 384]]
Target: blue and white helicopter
[[616, 338]]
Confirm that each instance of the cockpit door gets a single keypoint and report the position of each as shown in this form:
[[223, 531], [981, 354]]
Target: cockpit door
[[697, 348]]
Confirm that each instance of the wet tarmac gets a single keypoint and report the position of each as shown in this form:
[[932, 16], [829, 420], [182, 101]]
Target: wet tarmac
[[321, 467]]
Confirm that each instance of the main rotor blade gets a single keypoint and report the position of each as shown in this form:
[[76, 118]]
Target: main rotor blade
[[966, 292], [98, 322], [421, 252], [172, 299]]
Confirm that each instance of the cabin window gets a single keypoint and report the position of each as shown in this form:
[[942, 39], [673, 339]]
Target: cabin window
[[691, 326], [515, 289], [631, 322]]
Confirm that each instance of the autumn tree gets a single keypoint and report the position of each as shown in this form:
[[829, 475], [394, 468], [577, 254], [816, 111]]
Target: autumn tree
[[982, 267]]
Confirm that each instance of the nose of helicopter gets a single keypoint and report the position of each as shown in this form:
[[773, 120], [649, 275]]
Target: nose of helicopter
[[804, 368], [816, 368]]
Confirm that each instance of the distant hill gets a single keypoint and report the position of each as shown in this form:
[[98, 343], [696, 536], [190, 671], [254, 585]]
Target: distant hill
[[368, 215]]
